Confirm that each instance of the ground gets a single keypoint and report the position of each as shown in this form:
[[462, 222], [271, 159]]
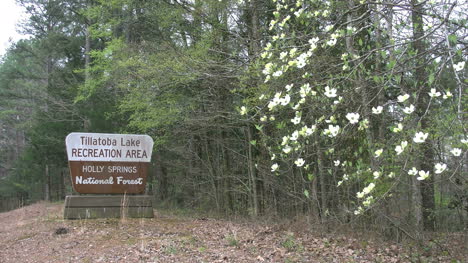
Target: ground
[[37, 233]]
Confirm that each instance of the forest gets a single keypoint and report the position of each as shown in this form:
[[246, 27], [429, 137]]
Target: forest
[[339, 111]]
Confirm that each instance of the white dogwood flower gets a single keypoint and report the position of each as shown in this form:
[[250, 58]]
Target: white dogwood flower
[[377, 110], [298, 12], [292, 52], [283, 54], [306, 131], [447, 95], [331, 42], [420, 137], [403, 98], [296, 120], [400, 148], [434, 93], [368, 188], [459, 66], [313, 41], [305, 89], [274, 167], [243, 110], [398, 128], [285, 101], [275, 101], [268, 68], [294, 136], [331, 119], [352, 117], [440, 168], [456, 151], [423, 175], [409, 110], [331, 93], [277, 73], [272, 104], [378, 153], [376, 175], [359, 211], [332, 131], [413, 171], [368, 201], [299, 162], [360, 195], [302, 60]]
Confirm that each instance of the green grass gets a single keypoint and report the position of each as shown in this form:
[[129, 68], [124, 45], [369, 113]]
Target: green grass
[[232, 241]]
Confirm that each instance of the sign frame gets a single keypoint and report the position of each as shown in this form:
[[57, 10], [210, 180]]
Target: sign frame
[[103, 163]]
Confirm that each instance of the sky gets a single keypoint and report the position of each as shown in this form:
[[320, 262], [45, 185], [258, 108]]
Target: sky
[[10, 16]]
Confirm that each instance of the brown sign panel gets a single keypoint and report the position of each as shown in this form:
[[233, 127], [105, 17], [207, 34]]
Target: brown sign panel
[[108, 163], [108, 177]]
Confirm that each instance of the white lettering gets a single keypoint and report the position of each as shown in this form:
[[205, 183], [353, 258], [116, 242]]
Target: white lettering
[[109, 147], [92, 180], [130, 142], [122, 169], [120, 180], [92, 169]]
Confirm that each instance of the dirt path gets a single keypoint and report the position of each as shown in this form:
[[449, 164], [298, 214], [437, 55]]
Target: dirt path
[[38, 234]]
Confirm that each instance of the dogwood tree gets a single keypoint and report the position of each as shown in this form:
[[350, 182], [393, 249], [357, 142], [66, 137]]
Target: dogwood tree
[[369, 93]]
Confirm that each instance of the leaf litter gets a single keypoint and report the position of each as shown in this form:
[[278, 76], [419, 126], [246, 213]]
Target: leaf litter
[[37, 233]]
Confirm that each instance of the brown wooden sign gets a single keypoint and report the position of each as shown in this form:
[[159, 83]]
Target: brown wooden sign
[[108, 163]]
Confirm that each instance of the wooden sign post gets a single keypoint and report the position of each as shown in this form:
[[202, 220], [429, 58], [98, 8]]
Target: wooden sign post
[[115, 165]]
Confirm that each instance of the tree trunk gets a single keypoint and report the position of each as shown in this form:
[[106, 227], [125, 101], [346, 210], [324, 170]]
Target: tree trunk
[[323, 187], [315, 205], [426, 155], [252, 173], [161, 174], [212, 171], [254, 30], [47, 184], [228, 205], [254, 49], [62, 188]]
